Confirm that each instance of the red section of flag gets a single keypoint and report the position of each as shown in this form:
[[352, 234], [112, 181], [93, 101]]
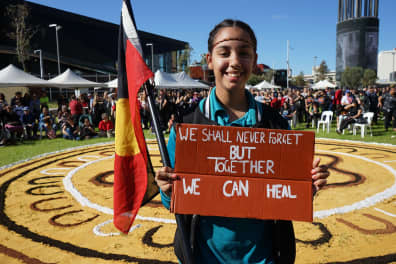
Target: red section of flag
[[129, 188], [137, 74]]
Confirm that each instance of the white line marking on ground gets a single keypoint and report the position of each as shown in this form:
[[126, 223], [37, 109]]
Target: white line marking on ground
[[54, 171], [88, 158], [67, 182], [96, 230], [385, 212], [369, 201]]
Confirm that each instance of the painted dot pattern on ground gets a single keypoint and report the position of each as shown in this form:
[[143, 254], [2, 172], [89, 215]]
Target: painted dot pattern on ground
[[57, 208]]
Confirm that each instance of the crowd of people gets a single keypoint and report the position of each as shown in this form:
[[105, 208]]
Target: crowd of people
[[93, 115], [75, 118], [299, 106]]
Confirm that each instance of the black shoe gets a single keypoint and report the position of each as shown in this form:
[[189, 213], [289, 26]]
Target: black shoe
[[339, 132]]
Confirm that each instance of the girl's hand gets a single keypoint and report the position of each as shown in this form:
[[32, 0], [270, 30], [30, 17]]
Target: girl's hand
[[319, 175], [164, 178]]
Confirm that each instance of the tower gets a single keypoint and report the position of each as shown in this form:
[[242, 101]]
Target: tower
[[357, 35]]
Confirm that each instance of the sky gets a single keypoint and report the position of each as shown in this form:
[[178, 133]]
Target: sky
[[309, 25]]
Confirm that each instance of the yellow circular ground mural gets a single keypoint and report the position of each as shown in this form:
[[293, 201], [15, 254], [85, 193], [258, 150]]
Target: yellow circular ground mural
[[57, 208]]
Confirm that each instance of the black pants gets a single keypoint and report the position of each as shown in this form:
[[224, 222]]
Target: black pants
[[388, 118], [315, 117], [346, 122]]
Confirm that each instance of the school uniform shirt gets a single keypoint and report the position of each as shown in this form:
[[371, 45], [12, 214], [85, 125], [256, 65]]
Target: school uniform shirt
[[225, 239]]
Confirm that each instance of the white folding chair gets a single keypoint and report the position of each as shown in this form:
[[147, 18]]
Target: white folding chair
[[325, 120], [363, 127]]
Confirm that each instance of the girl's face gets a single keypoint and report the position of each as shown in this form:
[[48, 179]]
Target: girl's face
[[232, 58]]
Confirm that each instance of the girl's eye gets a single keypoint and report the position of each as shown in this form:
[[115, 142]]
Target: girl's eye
[[223, 53]]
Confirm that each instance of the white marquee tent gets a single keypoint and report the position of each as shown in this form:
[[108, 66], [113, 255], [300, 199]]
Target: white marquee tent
[[12, 76], [69, 79], [323, 85], [112, 84], [265, 85], [178, 80]]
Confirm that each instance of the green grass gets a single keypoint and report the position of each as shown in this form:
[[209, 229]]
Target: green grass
[[379, 133], [30, 148]]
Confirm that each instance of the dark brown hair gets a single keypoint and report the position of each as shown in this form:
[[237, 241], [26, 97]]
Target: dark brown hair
[[231, 23]]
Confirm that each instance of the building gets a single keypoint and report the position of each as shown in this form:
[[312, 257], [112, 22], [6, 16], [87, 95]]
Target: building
[[357, 35], [86, 45], [312, 78], [387, 66]]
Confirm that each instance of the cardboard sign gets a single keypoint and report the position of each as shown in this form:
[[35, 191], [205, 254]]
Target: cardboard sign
[[243, 172]]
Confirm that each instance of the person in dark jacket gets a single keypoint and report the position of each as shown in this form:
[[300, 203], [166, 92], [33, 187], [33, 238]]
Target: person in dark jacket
[[232, 57], [29, 123], [13, 128], [389, 108], [373, 103]]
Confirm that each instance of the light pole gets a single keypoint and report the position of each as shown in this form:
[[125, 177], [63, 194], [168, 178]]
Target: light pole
[[57, 27], [393, 65], [41, 62], [314, 68], [288, 66], [152, 55], [204, 68]]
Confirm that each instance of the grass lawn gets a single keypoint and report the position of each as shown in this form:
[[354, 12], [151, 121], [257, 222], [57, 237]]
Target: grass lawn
[[379, 133], [31, 148]]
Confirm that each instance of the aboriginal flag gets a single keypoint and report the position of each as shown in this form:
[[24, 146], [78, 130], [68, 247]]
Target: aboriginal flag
[[133, 173]]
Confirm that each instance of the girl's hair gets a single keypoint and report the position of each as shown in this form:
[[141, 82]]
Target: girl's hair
[[231, 23]]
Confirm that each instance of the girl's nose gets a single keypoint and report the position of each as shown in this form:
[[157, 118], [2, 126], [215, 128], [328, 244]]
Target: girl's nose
[[235, 60]]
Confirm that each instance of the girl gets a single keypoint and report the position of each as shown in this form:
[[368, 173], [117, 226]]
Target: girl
[[87, 131], [46, 123], [105, 126], [232, 57]]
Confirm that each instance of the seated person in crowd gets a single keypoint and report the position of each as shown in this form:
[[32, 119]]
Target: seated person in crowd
[[105, 126], [314, 113], [87, 131], [84, 115], [29, 123], [46, 123], [171, 122], [18, 108], [69, 130], [354, 116], [3, 101], [12, 125], [63, 115]]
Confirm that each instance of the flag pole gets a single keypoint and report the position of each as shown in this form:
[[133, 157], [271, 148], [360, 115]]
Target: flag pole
[[186, 248]]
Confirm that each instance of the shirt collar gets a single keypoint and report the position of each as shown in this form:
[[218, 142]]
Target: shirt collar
[[220, 115]]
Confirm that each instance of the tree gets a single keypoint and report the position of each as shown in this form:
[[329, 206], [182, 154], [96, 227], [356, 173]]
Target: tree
[[23, 33], [369, 77], [255, 79], [322, 70], [299, 80], [203, 59], [352, 77]]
